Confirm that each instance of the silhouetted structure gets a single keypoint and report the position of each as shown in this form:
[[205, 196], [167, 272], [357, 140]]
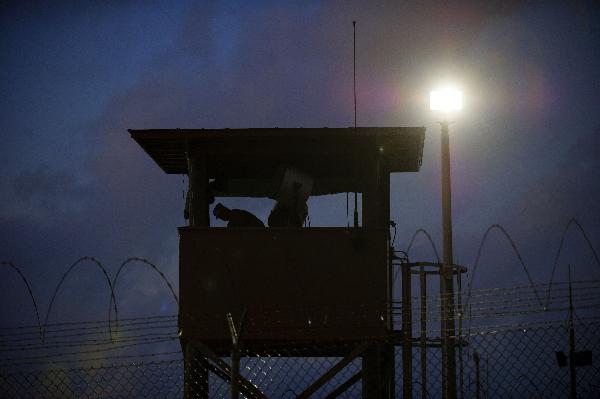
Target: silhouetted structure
[[342, 274], [236, 217]]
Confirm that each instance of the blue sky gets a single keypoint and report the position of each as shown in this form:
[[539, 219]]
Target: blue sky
[[76, 76]]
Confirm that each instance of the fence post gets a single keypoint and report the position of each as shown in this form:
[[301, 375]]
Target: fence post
[[423, 289], [406, 331], [572, 371], [235, 353], [477, 376], [235, 371]]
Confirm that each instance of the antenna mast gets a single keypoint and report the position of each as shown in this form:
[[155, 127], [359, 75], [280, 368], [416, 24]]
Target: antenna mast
[[354, 81]]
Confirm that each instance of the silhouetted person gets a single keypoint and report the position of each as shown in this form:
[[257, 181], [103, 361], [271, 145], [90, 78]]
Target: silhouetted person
[[287, 216], [290, 210], [236, 217]]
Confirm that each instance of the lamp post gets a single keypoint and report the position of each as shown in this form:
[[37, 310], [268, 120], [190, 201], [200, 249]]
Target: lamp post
[[447, 101]]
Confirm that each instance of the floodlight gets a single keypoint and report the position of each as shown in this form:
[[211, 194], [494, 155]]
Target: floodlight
[[445, 100]]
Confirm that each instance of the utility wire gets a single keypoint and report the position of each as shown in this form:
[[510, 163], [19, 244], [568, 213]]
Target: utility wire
[[144, 355], [6, 361]]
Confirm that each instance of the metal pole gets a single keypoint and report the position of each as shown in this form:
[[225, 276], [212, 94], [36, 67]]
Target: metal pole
[[477, 376], [235, 357], [423, 289], [572, 371], [460, 336], [354, 80], [447, 289], [235, 372], [406, 332]]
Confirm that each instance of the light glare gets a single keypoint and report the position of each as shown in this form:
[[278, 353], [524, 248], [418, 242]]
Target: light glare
[[446, 100]]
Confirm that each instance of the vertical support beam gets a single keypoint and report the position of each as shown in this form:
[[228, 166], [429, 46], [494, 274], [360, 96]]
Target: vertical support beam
[[406, 332], [369, 194], [376, 193], [383, 221], [423, 292], [572, 370], [235, 354], [446, 280], [378, 372], [235, 372], [196, 367], [383, 194], [198, 190], [371, 373], [477, 376], [460, 335], [195, 374], [378, 362], [389, 364]]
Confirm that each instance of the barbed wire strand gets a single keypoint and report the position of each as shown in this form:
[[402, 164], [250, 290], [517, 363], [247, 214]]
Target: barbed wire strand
[[143, 355], [10, 361], [576, 223], [517, 253], [97, 263], [125, 322], [116, 279], [29, 290]]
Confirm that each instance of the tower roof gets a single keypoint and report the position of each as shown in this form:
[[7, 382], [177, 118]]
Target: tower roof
[[337, 158]]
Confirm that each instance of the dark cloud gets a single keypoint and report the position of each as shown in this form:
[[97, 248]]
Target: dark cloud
[[55, 192], [523, 156]]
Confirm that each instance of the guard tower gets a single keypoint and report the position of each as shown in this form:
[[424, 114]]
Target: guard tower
[[329, 287]]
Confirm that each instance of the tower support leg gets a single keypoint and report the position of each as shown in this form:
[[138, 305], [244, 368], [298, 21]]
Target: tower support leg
[[378, 376], [195, 374]]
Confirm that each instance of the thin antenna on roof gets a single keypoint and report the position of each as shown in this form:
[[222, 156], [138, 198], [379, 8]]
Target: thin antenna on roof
[[354, 70], [354, 80]]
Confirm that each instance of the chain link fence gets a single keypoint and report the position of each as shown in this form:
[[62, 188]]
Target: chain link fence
[[512, 362], [506, 347]]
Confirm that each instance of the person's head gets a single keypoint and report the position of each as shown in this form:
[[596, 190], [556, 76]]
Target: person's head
[[221, 212]]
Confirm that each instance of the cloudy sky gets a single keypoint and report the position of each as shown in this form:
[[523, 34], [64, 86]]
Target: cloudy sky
[[76, 75]]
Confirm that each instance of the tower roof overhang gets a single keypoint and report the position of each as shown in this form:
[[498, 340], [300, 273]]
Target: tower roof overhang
[[249, 160]]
